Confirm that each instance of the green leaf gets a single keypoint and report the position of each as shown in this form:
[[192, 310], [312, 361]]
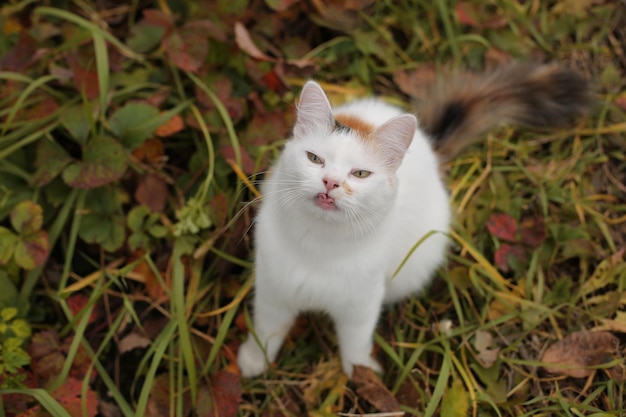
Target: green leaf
[[104, 161], [8, 313], [144, 37], [7, 246], [138, 240], [158, 231], [107, 231], [76, 119], [21, 328], [32, 250], [27, 217], [8, 292], [132, 123], [455, 402], [50, 160], [137, 218]]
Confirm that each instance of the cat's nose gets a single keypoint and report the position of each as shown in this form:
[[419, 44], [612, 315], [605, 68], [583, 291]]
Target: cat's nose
[[330, 184]]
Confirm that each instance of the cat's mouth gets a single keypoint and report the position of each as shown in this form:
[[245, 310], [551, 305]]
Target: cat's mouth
[[326, 202]]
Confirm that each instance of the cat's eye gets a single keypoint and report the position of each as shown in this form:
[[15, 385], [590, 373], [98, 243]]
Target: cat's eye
[[361, 173], [314, 158]]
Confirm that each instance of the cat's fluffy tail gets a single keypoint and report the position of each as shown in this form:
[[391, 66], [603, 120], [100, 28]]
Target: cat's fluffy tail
[[458, 109]]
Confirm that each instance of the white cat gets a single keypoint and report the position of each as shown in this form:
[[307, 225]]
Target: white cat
[[353, 192]]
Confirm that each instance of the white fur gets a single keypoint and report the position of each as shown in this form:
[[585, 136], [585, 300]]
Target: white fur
[[341, 262]]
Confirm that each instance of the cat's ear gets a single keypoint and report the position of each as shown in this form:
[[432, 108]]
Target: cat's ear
[[395, 136], [314, 111]]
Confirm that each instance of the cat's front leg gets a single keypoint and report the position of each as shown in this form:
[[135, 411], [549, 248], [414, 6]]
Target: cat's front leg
[[272, 320], [355, 333]]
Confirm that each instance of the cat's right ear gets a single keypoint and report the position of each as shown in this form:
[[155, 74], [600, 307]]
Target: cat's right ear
[[314, 111]]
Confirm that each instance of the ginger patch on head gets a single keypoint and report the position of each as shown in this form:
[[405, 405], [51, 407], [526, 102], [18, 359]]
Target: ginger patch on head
[[354, 124]]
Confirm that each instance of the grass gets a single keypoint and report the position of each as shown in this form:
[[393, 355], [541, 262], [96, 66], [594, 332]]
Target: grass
[[471, 344]]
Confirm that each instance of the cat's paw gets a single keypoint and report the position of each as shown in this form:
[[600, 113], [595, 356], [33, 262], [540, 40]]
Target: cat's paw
[[251, 359], [369, 362]]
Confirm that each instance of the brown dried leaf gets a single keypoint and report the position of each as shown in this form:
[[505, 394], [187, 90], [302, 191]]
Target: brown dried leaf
[[152, 192], [221, 397], [246, 44], [487, 354], [578, 351], [133, 341], [172, 125], [371, 389], [69, 396]]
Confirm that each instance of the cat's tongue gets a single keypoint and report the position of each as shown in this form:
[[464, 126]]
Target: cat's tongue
[[325, 202]]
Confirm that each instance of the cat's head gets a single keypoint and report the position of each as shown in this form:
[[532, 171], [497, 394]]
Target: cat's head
[[343, 167]]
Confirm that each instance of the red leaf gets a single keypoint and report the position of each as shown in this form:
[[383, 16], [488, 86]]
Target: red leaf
[[69, 395], [266, 128], [77, 302], [32, 250], [44, 349], [42, 109], [223, 89], [86, 81], [502, 226], [464, 12], [225, 396], [533, 231], [156, 17], [188, 46], [505, 253], [21, 56], [152, 192], [274, 82], [247, 164], [173, 125], [152, 152], [153, 285]]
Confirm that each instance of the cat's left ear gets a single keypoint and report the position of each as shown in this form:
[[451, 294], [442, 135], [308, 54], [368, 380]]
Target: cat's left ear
[[395, 136], [314, 111]]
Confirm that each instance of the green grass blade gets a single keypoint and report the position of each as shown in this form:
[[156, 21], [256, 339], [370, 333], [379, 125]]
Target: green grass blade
[[44, 398], [90, 27], [179, 313]]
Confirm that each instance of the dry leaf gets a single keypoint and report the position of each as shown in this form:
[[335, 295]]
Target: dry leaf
[[618, 324], [483, 343], [371, 389], [221, 397], [173, 125], [578, 351], [246, 44], [151, 191], [69, 396], [133, 341]]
